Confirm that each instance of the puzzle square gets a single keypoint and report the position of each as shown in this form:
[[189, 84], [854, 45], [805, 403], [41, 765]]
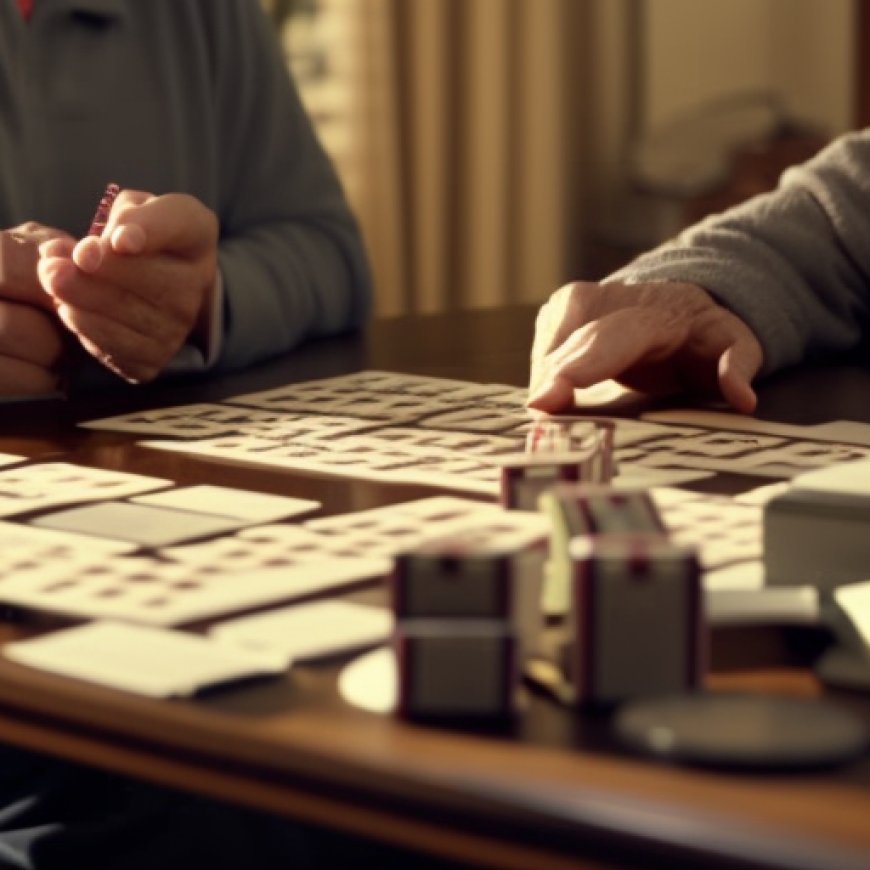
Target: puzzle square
[[456, 669], [635, 625]]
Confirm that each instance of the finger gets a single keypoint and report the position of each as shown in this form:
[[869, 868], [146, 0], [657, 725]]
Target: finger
[[175, 223], [18, 272], [134, 357], [155, 296], [57, 247], [37, 234], [565, 311], [22, 378], [602, 350], [738, 365], [29, 335]]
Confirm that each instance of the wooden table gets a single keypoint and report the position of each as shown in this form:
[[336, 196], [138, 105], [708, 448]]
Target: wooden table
[[549, 791]]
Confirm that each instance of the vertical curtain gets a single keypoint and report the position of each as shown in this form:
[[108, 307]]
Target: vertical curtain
[[466, 145]]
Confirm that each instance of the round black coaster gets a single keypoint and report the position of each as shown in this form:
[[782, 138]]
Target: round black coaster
[[844, 668], [742, 730]]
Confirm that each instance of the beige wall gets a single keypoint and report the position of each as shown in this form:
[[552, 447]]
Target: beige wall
[[698, 50]]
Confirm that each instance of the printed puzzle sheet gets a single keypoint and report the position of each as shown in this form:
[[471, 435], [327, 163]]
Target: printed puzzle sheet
[[399, 428], [63, 573]]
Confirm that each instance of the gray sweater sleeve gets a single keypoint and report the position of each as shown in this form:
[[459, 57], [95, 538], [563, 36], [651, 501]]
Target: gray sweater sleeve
[[794, 264], [291, 255]]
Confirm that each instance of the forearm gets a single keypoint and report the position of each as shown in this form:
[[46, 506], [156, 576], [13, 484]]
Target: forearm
[[287, 282]]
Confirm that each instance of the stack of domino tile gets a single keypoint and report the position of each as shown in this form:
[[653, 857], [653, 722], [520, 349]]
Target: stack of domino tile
[[632, 597], [467, 616], [568, 451]]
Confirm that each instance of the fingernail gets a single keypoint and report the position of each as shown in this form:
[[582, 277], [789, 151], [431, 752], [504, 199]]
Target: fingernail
[[55, 273], [129, 239], [88, 254], [541, 389], [56, 248]]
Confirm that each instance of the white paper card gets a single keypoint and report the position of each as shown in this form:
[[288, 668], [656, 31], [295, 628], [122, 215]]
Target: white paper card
[[156, 662], [49, 484], [308, 631], [241, 504], [780, 605], [146, 525]]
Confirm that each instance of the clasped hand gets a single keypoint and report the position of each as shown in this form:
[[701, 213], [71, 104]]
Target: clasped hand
[[31, 339], [658, 338], [133, 295]]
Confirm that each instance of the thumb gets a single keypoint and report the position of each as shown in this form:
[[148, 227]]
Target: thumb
[[173, 223]]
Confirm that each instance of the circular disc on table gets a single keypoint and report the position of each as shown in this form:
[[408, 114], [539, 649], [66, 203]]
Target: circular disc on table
[[844, 668], [742, 730], [370, 681]]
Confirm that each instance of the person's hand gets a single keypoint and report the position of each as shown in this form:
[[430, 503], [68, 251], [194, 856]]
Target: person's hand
[[133, 295], [19, 255], [31, 337], [658, 338], [31, 346]]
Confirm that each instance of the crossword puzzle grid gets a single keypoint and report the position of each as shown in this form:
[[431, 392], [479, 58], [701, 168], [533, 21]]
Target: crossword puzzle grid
[[378, 425], [256, 566], [397, 428], [89, 578]]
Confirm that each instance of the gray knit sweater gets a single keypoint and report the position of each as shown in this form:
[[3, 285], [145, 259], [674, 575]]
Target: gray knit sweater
[[794, 263]]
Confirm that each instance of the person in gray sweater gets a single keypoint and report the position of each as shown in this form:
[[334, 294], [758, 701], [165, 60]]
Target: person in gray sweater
[[783, 278], [239, 241]]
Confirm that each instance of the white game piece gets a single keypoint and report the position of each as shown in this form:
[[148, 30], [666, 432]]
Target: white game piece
[[782, 605], [737, 577], [148, 661], [241, 504], [815, 533], [456, 668], [636, 625], [11, 459], [844, 478], [308, 631]]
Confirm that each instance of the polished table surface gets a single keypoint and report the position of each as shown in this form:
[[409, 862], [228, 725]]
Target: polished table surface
[[549, 790]]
